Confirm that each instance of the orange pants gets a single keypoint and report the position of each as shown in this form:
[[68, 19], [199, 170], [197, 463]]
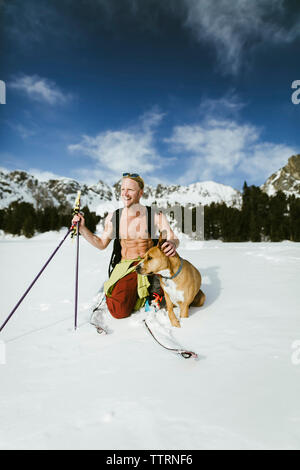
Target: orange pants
[[123, 296]]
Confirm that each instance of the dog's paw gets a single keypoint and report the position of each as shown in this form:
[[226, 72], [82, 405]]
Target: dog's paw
[[176, 323], [184, 315]]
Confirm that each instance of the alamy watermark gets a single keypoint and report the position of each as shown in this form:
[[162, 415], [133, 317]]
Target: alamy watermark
[[188, 220], [296, 95], [2, 92], [2, 353], [295, 357]]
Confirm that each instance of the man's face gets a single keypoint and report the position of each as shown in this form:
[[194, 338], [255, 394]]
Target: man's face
[[131, 192]]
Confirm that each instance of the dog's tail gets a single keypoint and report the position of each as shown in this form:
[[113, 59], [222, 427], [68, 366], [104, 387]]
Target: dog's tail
[[199, 299]]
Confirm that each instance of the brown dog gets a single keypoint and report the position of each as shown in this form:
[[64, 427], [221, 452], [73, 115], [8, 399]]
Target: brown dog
[[179, 279]]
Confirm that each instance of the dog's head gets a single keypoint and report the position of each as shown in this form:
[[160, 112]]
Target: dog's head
[[154, 260]]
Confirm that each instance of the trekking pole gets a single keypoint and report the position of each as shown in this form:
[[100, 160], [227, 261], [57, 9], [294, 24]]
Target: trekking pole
[[35, 279], [75, 231]]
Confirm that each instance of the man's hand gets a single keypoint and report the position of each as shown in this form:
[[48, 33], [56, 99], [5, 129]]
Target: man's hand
[[79, 218], [169, 248]]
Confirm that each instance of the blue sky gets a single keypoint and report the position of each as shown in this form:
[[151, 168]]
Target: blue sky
[[179, 91]]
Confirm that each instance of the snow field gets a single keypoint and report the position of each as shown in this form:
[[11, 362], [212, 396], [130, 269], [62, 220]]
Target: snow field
[[62, 389]]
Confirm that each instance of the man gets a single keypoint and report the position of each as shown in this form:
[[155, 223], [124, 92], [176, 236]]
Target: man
[[126, 290]]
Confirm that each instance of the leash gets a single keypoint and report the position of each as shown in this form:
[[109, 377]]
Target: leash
[[183, 352]]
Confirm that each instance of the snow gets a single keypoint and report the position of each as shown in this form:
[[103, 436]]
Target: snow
[[62, 389], [288, 180], [204, 193]]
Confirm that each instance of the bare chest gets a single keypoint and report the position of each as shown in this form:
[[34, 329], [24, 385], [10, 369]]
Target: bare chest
[[134, 227]]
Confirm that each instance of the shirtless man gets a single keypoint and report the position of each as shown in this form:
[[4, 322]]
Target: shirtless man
[[135, 242]]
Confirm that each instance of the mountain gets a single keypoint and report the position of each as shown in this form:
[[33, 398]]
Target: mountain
[[101, 197], [286, 179], [23, 187]]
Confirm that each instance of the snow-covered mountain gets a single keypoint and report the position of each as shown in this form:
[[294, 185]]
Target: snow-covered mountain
[[23, 187], [286, 179], [198, 193], [101, 197]]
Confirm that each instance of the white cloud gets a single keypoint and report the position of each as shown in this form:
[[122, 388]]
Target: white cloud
[[216, 146], [218, 149], [234, 27], [266, 158], [131, 149], [91, 176], [4, 170], [40, 89], [227, 105], [24, 131], [42, 175], [30, 23]]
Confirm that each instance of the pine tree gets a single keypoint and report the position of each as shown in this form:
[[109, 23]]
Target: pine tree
[[2, 215], [91, 219], [28, 227], [246, 213], [294, 218], [279, 220]]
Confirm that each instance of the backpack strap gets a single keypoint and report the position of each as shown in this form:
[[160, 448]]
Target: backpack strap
[[118, 224], [116, 253], [149, 223], [151, 214]]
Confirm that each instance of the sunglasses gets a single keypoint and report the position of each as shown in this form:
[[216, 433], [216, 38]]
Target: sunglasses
[[134, 175]]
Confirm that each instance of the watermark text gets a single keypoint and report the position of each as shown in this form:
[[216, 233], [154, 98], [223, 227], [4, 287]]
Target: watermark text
[[2, 92], [296, 94], [188, 220]]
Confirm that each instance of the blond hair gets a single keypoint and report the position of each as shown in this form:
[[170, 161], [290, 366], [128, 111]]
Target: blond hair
[[138, 179]]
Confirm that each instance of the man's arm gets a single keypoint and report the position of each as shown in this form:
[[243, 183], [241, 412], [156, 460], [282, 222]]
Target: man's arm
[[169, 247], [98, 242]]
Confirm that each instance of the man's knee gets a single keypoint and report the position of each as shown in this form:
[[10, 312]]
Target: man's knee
[[117, 309], [123, 296]]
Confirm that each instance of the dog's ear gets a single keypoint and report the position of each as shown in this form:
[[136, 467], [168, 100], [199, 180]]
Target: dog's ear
[[162, 238]]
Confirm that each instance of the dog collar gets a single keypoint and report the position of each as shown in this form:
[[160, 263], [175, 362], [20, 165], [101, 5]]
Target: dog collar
[[177, 272]]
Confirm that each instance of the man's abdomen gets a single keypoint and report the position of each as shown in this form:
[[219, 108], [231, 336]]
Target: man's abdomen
[[132, 249]]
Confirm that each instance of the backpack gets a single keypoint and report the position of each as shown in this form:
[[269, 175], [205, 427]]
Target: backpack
[[116, 255]]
